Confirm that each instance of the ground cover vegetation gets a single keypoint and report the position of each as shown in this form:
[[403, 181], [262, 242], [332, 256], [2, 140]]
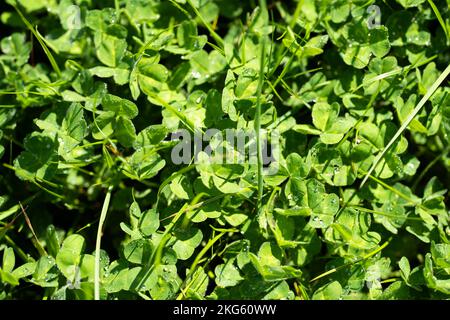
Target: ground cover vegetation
[[92, 205]]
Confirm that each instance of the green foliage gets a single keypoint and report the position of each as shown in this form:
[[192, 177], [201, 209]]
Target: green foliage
[[91, 105]]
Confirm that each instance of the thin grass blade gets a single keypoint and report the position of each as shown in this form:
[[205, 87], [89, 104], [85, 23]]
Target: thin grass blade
[[405, 124], [98, 244]]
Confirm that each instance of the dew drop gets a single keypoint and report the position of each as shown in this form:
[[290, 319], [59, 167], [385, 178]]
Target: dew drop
[[113, 18], [195, 74]]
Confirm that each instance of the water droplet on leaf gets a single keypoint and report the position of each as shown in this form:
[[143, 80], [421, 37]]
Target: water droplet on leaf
[[196, 74]]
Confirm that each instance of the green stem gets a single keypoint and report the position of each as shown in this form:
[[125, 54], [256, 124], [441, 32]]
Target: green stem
[[405, 124], [41, 41], [98, 244], [9, 212], [297, 12], [382, 213], [367, 256], [258, 109], [428, 167], [216, 37], [19, 251], [439, 17], [205, 249], [155, 258]]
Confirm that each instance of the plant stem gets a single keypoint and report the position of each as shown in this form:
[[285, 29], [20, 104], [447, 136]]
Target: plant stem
[[98, 244], [367, 256], [258, 109], [405, 124], [205, 249], [216, 37]]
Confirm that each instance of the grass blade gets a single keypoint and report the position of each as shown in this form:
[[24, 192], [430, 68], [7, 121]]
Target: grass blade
[[41, 41], [367, 256], [439, 17], [193, 267], [98, 244], [216, 37], [187, 122], [36, 241], [258, 109], [405, 124]]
